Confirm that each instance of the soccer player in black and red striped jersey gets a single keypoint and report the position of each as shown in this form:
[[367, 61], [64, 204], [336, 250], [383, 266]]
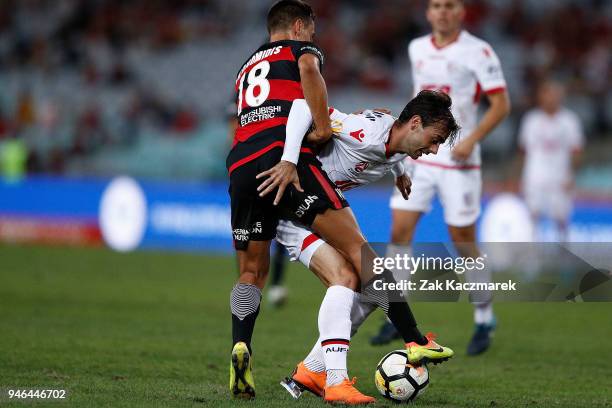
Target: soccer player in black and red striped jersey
[[273, 80]]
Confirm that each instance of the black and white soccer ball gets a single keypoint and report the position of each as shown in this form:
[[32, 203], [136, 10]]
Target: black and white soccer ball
[[398, 380]]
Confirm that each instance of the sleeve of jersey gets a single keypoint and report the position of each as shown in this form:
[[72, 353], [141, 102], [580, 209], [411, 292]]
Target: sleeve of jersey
[[336, 115], [309, 48], [488, 69], [298, 122]]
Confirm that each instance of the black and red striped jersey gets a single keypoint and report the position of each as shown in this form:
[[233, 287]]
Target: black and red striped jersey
[[266, 86]]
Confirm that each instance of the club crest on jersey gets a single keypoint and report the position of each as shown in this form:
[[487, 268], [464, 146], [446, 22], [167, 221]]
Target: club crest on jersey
[[358, 135]]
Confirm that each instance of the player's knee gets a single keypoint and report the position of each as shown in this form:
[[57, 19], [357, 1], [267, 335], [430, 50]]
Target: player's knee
[[401, 234], [346, 276], [402, 229]]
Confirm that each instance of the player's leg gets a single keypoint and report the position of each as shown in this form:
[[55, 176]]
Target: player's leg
[[323, 207], [403, 224], [277, 292], [254, 224], [460, 192], [405, 215], [330, 351], [245, 299], [340, 230], [326, 365], [561, 210], [464, 239]]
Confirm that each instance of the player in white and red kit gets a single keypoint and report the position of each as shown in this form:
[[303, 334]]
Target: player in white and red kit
[[454, 61], [551, 140], [364, 148]]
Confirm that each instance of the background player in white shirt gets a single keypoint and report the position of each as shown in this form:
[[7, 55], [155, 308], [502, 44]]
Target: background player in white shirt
[[551, 141], [364, 148], [454, 61]]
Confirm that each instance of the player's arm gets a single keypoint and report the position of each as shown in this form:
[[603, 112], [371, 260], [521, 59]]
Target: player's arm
[[499, 109], [518, 164], [488, 72], [577, 145], [337, 118], [315, 93]]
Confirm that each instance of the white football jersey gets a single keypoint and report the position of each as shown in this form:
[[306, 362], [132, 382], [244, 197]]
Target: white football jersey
[[357, 155], [463, 69], [548, 142]]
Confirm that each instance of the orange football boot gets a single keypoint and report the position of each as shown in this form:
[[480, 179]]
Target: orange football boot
[[309, 380], [346, 393]]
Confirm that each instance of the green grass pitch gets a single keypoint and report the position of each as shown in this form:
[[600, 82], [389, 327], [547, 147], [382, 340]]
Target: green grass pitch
[[153, 329]]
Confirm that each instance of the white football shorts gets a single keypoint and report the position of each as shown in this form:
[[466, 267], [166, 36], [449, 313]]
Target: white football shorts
[[300, 241], [459, 191], [550, 201]]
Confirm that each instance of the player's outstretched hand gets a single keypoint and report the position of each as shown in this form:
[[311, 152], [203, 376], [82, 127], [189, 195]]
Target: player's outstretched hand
[[463, 150], [281, 175], [404, 185]]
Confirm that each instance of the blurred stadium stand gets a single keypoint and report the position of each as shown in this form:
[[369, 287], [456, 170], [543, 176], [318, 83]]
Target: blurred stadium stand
[[141, 87]]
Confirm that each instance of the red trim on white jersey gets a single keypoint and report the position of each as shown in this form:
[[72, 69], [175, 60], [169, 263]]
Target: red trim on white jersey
[[437, 47], [388, 154], [495, 90], [477, 92]]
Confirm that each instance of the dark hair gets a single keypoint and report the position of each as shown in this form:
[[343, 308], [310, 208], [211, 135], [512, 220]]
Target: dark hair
[[434, 108], [284, 13]]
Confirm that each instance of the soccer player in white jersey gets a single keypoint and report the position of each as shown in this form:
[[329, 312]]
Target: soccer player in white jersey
[[551, 141], [454, 61], [365, 147]]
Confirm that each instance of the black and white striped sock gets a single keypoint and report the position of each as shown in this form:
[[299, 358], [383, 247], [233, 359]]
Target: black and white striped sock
[[244, 304]]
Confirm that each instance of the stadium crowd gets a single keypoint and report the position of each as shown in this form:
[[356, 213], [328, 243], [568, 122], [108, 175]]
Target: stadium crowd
[[76, 74]]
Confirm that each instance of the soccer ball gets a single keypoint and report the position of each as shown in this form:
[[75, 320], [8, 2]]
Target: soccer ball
[[398, 380]]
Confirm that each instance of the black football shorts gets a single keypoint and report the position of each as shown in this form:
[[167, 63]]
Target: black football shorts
[[255, 218]]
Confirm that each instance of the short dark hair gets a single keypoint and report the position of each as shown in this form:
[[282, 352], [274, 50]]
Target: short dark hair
[[284, 13], [434, 108]]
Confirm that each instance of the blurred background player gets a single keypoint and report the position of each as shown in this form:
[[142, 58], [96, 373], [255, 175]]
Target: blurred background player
[[551, 142], [454, 61], [277, 292]]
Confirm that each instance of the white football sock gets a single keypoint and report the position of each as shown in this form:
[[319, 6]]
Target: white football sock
[[360, 311], [483, 314], [335, 331], [314, 360], [335, 377]]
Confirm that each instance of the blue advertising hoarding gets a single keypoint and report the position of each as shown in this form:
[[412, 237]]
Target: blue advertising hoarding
[[196, 216]]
